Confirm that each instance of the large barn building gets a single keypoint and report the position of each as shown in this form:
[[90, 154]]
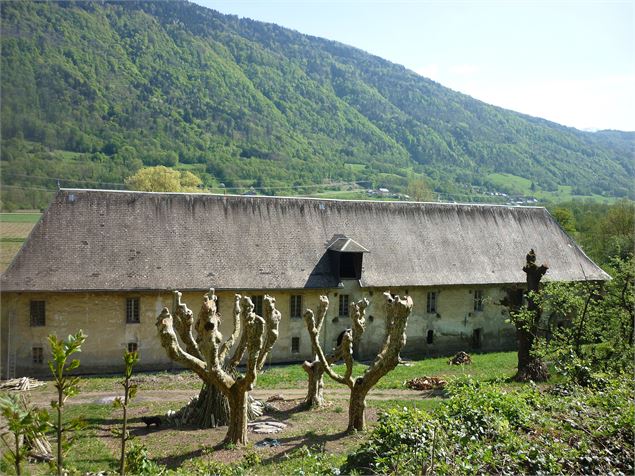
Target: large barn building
[[108, 261]]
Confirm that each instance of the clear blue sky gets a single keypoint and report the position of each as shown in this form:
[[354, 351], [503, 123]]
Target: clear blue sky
[[572, 62]]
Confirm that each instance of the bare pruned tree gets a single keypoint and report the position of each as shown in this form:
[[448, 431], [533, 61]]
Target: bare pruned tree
[[397, 312], [207, 354]]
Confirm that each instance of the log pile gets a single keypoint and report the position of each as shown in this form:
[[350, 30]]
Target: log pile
[[425, 383], [461, 358], [21, 384]]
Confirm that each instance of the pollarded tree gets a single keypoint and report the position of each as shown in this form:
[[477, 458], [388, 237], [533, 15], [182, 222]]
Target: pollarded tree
[[207, 355], [315, 369], [530, 366], [397, 312]]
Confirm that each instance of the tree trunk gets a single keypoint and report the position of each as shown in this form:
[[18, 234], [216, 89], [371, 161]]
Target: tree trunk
[[209, 410], [356, 409], [238, 404], [529, 366], [315, 394]]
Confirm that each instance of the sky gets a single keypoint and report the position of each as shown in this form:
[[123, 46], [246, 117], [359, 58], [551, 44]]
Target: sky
[[572, 62]]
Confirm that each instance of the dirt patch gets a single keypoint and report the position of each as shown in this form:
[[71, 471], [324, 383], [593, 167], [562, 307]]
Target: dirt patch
[[176, 447]]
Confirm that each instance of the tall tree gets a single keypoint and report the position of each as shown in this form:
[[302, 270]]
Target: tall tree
[[163, 179]]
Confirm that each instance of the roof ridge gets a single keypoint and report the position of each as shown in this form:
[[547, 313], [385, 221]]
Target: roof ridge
[[302, 198]]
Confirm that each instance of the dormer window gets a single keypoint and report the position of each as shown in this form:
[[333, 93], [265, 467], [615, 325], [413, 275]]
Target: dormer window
[[346, 258]]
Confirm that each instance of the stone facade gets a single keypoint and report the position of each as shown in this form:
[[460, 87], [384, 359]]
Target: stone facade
[[453, 325]]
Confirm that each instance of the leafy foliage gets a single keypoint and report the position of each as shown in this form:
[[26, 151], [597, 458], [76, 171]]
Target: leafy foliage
[[163, 179], [24, 423], [483, 429], [67, 386], [94, 91], [129, 392]]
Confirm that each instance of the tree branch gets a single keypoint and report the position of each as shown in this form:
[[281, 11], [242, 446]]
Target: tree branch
[[183, 322], [209, 340], [358, 312], [309, 318], [229, 343], [272, 322], [245, 312], [397, 312], [171, 345]]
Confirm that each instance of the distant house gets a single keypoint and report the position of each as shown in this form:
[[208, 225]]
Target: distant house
[[107, 261]]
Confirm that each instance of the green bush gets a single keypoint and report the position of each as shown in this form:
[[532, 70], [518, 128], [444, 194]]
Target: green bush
[[482, 428]]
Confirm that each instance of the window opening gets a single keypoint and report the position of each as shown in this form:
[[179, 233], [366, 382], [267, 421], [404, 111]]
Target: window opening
[[257, 300], [295, 345], [38, 313], [478, 300], [431, 303], [295, 310], [132, 310], [38, 355], [343, 307]]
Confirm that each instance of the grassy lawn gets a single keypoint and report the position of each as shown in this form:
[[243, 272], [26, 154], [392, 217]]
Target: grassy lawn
[[313, 439]]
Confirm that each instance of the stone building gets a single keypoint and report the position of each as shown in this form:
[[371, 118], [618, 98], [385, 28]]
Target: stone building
[[107, 261]]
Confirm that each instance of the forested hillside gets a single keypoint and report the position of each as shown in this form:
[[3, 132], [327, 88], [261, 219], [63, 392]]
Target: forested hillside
[[92, 91]]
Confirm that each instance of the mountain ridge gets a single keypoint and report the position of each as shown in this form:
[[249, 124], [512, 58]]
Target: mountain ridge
[[113, 86]]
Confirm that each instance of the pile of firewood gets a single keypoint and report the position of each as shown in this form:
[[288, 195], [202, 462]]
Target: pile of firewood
[[425, 383], [21, 384], [461, 358]]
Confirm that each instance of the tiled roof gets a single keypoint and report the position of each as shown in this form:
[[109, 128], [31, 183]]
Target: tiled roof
[[114, 240]]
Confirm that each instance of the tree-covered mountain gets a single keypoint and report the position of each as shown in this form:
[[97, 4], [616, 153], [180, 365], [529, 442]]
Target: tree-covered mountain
[[91, 91]]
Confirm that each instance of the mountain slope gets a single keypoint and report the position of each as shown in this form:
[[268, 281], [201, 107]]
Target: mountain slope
[[91, 91]]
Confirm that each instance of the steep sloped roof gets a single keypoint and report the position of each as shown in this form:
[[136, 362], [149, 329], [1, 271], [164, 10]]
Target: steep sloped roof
[[113, 240]]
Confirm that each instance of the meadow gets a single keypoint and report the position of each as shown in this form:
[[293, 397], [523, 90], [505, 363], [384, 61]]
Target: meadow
[[314, 441]]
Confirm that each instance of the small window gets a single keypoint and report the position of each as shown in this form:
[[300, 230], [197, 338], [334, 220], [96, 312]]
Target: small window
[[257, 300], [295, 310], [38, 355], [295, 345], [132, 310], [478, 300], [343, 308], [430, 337], [476, 338], [38, 313], [132, 347], [431, 304]]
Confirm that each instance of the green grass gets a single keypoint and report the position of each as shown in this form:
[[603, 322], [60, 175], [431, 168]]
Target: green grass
[[20, 217], [499, 365], [4, 239]]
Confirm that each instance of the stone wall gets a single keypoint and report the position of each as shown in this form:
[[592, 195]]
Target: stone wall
[[102, 316]]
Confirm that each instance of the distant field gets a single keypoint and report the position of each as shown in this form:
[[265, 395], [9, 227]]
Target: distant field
[[522, 186], [14, 229], [31, 217]]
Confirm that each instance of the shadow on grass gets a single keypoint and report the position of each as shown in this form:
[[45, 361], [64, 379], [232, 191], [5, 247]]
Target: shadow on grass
[[310, 439]]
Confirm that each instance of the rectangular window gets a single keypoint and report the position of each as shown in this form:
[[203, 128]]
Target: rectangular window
[[430, 337], [38, 355], [132, 310], [257, 300], [343, 308], [132, 347], [295, 345], [38, 313], [431, 304], [295, 310], [478, 300]]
